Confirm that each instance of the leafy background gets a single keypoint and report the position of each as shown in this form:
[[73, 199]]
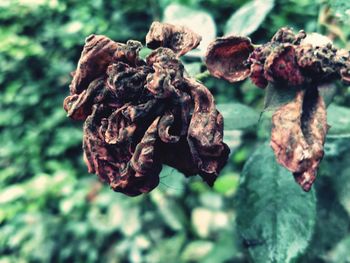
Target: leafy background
[[52, 210]]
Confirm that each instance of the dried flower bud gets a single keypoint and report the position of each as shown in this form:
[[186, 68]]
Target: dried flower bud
[[180, 39], [142, 114]]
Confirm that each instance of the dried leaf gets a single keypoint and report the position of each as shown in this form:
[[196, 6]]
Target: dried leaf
[[298, 135]]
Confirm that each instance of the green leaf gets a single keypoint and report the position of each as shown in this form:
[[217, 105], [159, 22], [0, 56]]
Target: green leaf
[[226, 248], [199, 21], [197, 250], [332, 220], [172, 182], [227, 184], [238, 116], [171, 211], [341, 9], [327, 91], [248, 18], [341, 253], [275, 217], [338, 118], [169, 248], [277, 96]]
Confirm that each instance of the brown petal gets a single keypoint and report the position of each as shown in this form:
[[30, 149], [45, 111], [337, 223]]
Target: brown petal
[[103, 159], [129, 53], [257, 75], [205, 133], [142, 173], [168, 73], [281, 66], [298, 135], [135, 113], [164, 126], [227, 58], [286, 35], [178, 38], [97, 54], [119, 129], [322, 64], [126, 82], [79, 106]]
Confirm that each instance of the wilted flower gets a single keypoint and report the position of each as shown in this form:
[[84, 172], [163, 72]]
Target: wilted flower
[[140, 114], [288, 61]]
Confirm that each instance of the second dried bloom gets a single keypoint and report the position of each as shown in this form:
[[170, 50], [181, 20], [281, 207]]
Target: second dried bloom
[[288, 61]]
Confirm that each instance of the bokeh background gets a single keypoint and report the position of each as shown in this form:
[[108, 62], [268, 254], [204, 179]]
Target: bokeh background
[[52, 210]]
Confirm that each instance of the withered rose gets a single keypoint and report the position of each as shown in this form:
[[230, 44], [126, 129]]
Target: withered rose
[[288, 61], [140, 114]]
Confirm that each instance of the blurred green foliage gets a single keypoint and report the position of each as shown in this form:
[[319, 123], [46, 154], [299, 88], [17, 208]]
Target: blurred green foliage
[[52, 210]]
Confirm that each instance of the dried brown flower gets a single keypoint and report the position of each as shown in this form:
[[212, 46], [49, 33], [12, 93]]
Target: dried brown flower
[[140, 114], [287, 59], [292, 61]]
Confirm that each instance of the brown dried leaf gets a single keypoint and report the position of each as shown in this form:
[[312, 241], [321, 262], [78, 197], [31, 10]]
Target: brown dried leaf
[[298, 135], [180, 39], [226, 58]]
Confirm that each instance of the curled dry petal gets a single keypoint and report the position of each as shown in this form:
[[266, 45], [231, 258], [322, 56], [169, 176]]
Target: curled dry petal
[[180, 39], [101, 158], [119, 129], [126, 82], [286, 35], [78, 106], [227, 58], [257, 75], [298, 134], [281, 66], [168, 73], [205, 133], [141, 174], [129, 53], [97, 54], [164, 126]]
